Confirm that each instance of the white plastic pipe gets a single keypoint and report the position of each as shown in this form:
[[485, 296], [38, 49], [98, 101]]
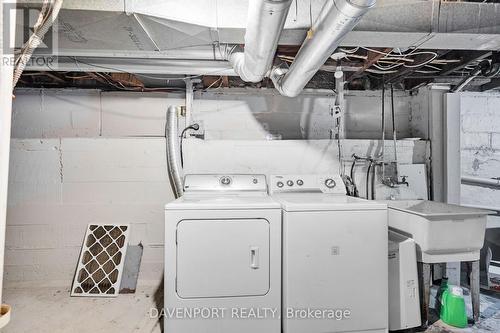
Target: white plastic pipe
[[483, 182], [265, 22], [336, 19], [6, 75]]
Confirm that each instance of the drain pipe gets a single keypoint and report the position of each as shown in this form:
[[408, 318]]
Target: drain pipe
[[483, 182], [265, 22], [336, 19], [173, 154]]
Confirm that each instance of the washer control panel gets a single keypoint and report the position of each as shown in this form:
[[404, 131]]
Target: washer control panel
[[307, 183]]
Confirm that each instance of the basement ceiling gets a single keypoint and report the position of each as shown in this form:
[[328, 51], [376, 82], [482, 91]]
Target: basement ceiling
[[163, 37]]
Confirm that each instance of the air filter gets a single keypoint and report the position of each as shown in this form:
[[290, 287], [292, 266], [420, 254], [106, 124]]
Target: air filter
[[100, 266]]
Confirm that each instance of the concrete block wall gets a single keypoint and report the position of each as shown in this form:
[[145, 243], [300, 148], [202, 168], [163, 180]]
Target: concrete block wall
[[81, 157], [306, 117], [58, 186], [480, 142]]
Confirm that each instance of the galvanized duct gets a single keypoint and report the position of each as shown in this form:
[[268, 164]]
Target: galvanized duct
[[336, 19], [265, 22]]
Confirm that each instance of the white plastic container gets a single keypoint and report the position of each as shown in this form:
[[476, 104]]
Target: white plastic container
[[442, 232]]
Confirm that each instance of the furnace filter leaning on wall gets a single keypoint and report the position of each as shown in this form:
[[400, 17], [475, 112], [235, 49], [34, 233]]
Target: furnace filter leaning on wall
[[404, 301]]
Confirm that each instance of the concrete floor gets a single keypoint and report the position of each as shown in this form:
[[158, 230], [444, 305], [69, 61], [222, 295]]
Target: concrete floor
[[52, 310]]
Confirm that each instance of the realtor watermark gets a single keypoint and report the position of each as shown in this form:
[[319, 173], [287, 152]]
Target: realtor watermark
[[216, 313], [28, 21]]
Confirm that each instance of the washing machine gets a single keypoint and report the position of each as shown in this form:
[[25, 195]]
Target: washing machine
[[335, 268], [223, 257]]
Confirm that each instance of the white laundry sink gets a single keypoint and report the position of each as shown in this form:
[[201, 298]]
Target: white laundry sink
[[442, 232]]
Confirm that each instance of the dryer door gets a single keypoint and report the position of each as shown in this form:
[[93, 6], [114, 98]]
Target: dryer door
[[222, 258]]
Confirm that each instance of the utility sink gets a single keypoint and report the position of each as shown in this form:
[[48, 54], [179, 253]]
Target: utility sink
[[442, 232]]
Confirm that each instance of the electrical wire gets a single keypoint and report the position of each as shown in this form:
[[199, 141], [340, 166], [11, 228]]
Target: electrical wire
[[350, 51], [374, 175], [191, 127], [368, 178]]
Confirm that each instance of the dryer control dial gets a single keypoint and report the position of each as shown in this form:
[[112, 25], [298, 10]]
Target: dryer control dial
[[225, 180], [330, 183]]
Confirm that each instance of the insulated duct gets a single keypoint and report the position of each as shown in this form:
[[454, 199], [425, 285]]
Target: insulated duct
[[265, 22], [336, 19], [173, 154]]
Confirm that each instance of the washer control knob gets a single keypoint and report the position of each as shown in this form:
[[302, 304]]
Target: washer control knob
[[280, 184], [225, 181], [330, 183], [300, 182], [289, 183]]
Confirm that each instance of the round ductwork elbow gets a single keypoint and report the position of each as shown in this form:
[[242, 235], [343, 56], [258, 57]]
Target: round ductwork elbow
[[237, 61], [277, 74]]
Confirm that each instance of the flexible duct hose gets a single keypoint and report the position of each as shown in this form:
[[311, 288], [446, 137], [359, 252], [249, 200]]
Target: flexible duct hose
[[173, 154]]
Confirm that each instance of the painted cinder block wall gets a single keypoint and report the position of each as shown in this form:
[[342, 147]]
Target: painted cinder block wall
[[82, 157], [480, 142]]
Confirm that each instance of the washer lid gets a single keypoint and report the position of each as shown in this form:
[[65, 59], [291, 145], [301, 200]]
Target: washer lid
[[217, 201], [298, 202]]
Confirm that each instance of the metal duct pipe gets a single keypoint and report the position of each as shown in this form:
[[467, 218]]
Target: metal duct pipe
[[173, 154], [336, 19], [265, 22], [484, 182]]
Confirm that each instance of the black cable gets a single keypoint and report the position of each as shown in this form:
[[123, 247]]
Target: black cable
[[352, 170], [374, 174], [193, 127], [353, 165], [368, 179]]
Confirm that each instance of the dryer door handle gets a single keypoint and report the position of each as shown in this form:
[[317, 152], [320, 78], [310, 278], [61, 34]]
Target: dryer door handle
[[254, 257]]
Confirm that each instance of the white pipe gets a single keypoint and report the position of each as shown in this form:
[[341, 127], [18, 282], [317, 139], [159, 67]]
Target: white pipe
[[485, 182], [265, 22], [143, 66], [173, 154], [336, 19], [6, 76]]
